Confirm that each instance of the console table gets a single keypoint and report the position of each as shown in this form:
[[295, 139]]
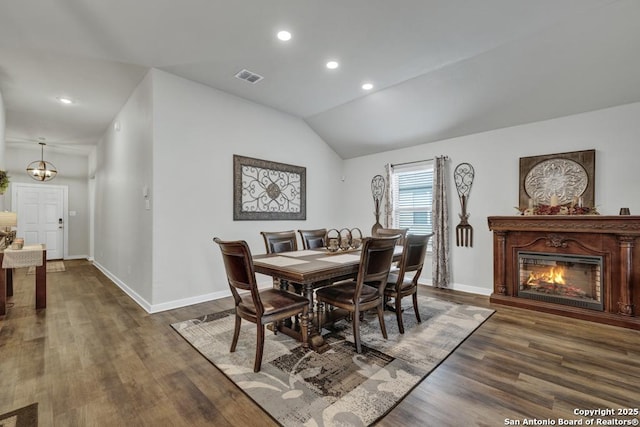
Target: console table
[[31, 255]]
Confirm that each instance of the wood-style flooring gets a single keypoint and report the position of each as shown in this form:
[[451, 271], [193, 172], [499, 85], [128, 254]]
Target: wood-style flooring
[[93, 357]]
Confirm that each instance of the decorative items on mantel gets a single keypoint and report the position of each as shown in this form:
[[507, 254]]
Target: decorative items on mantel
[[553, 181], [463, 176]]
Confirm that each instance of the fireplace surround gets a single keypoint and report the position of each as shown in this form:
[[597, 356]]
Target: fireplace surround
[[605, 285]]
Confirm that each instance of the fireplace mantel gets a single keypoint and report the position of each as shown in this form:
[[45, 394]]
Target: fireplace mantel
[[612, 237]]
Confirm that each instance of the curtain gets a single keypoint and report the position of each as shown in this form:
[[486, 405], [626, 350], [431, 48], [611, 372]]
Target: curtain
[[440, 212], [388, 204]]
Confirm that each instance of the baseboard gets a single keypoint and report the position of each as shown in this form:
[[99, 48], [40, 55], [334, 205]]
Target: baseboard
[[69, 257], [464, 288], [169, 305], [127, 290]]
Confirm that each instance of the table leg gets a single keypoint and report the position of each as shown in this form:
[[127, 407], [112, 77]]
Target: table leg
[[316, 341], [41, 283], [9, 281], [3, 291]]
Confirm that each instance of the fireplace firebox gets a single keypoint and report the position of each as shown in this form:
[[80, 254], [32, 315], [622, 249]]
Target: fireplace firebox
[[581, 266], [561, 279]]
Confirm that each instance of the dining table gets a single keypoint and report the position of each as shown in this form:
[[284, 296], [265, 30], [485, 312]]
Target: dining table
[[312, 269]]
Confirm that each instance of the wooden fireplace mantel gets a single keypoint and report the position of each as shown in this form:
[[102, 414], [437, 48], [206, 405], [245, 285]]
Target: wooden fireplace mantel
[[614, 238]]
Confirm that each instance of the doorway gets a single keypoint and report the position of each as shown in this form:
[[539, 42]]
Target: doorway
[[42, 215]]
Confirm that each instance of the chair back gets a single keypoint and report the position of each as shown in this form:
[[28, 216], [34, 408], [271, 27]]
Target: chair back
[[280, 241], [240, 272], [413, 253], [313, 239], [375, 263], [386, 232]]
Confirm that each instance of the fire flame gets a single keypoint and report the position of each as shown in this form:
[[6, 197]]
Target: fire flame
[[554, 275]]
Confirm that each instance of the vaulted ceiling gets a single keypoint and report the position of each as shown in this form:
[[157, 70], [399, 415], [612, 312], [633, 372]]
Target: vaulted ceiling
[[440, 68]]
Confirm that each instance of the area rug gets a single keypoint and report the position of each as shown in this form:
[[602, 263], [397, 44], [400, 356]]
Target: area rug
[[339, 386], [52, 267], [23, 417]]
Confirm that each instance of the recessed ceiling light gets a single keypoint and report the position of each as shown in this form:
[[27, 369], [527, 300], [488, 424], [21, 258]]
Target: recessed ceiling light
[[367, 86], [284, 35], [65, 100], [332, 65]]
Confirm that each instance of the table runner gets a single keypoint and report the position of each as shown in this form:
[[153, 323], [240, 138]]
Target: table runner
[[28, 256]]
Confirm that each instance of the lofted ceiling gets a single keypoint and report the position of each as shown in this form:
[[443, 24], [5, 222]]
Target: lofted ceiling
[[440, 68]]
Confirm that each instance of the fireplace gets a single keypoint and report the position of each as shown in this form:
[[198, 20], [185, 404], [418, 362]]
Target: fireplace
[[562, 279], [585, 266]]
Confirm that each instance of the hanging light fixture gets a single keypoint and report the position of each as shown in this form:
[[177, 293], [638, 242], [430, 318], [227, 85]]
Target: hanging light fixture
[[41, 170]]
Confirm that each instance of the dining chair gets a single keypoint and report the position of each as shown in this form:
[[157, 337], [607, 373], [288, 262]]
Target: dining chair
[[386, 232], [398, 285], [313, 239], [356, 297], [280, 241], [259, 307]]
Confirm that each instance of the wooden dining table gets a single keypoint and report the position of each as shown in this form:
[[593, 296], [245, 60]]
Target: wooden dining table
[[312, 268]]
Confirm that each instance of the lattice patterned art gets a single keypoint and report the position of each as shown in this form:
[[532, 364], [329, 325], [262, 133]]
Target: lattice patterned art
[[265, 190]]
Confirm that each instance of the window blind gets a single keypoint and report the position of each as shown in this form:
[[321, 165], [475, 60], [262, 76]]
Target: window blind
[[413, 195]]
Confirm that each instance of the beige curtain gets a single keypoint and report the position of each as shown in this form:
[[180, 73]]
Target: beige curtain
[[388, 203], [440, 212]]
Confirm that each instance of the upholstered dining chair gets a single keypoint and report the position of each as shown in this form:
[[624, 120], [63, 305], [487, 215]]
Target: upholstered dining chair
[[259, 307], [386, 232], [354, 295], [398, 285], [280, 241], [313, 239]]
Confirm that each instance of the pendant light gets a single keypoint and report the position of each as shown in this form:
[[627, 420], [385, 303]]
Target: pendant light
[[41, 170]]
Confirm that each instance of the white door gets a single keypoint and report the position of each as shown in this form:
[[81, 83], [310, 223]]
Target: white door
[[41, 213]]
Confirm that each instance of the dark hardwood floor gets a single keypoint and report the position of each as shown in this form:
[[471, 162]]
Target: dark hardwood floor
[[93, 357]]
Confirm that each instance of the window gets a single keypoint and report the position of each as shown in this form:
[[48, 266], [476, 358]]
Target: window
[[412, 186]]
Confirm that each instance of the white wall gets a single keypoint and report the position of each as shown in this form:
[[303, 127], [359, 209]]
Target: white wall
[[197, 130], [123, 164], [614, 133], [72, 172]]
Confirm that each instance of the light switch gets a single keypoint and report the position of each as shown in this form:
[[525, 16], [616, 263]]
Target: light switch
[[72, 213]]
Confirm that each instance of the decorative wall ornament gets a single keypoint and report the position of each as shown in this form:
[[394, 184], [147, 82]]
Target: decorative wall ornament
[[377, 191], [558, 179], [265, 190]]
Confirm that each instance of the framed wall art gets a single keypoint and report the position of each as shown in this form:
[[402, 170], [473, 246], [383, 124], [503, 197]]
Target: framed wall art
[[567, 176], [265, 190]]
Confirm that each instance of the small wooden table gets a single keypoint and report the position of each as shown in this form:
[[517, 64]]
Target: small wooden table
[[312, 269], [32, 255]]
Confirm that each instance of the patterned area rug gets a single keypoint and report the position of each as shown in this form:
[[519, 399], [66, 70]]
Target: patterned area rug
[[23, 417], [338, 387], [52, 267]]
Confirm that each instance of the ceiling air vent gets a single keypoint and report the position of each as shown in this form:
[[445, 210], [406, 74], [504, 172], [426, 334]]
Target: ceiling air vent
[[249, 76]]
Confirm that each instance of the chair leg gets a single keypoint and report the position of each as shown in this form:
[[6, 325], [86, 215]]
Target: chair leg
[[304, 328], [381, 320], [259, 348], [399, 315], [236, 334], [355, 321], [415, 306]]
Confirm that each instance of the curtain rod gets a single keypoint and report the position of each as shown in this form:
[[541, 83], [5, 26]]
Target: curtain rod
[[417, 161]]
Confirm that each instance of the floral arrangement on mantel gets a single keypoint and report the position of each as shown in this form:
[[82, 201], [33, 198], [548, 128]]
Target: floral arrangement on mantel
[[4, 181], [566, 209]]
